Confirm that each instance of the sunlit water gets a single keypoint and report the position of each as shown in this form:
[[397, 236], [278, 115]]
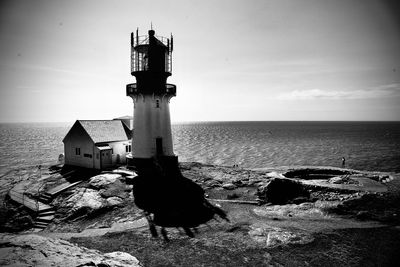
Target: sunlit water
[[365, 145]]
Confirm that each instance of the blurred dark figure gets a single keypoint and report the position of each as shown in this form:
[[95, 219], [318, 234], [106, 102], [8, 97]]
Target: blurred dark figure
[[171, 200], [343, 162]]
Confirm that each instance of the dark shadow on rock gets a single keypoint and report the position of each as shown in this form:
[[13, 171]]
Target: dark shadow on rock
[[171, 200], [74, 173], [315, 173], [15, 217], [279, 191], [384, 208]]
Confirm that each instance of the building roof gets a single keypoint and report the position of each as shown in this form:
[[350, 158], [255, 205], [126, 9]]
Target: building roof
[[104, 130], [126, 117], [103, 148]]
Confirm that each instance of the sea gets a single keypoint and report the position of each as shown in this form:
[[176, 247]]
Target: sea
[[373, 146]]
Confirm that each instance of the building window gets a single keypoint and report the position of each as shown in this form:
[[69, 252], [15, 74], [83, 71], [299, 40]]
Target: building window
[[128, 148], [87, 155], [157, 103], [78, 151], [112, 151]]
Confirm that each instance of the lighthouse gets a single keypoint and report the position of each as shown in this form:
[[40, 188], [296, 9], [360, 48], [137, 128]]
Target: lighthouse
[[151, 65], [167, 197]]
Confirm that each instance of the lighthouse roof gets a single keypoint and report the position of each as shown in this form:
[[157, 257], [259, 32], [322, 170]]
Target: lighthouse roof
[[104, 130]]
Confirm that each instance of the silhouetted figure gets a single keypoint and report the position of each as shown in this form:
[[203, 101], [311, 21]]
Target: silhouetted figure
[[343, 162], [171, 200]]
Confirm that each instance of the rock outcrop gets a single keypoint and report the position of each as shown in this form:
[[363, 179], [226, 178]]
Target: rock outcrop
[[104, 180], [35, 250], [109, 185], [15, 218], [102, 192], [281, 191]]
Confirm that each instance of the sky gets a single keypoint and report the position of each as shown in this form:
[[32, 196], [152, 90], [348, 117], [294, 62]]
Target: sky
[[233, 60]]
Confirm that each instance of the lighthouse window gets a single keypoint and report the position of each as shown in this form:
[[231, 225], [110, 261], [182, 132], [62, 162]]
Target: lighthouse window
[[157, 103], [77, 151]]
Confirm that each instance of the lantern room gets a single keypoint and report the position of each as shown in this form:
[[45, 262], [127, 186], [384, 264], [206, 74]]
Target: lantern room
[[151, 53]]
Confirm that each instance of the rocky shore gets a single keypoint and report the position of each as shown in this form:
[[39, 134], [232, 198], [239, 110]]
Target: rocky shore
[[297, 215]]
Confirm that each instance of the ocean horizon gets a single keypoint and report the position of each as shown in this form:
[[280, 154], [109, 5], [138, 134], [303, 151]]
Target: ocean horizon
[[366, 145]]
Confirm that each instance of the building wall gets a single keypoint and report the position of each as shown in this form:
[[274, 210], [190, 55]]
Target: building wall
[[118, 151], [151, 122], [96, 157], [89, 156], [78, 138]]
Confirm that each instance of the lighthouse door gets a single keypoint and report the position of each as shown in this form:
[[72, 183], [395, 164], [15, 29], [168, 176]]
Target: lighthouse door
[[159, 147]]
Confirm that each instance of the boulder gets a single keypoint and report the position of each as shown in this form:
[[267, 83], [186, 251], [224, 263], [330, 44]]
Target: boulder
[[109, 185], [229, 186], [385, 178], [212, 183], [83, 201], [102, 180], [35, 250], [336, 180], [88, 198], [114, 201], [116, 189], [281, 191]]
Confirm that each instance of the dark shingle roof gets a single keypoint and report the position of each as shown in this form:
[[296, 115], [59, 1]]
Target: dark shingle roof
[[104, 130]]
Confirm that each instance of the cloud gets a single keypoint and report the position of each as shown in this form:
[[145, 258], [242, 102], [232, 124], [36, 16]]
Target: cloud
[[382, 91]]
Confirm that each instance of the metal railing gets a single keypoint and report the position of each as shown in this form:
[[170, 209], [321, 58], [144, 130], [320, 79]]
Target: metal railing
[[144, 39], [139, 60], [21, 198], [132, 88]]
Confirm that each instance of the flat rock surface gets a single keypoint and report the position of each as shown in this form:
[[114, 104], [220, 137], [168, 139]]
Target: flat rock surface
[[34, 250], [363, 184]]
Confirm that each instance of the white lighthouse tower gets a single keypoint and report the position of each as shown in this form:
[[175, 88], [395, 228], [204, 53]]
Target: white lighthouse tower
[[151, 64]]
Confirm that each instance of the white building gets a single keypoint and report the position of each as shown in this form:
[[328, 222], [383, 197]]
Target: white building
[[97, 144]]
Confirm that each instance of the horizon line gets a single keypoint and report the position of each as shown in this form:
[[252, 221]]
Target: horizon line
[[214, 121]]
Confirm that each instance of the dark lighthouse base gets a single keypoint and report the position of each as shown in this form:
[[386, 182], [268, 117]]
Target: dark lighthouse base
[[168, 165], [167, 197]]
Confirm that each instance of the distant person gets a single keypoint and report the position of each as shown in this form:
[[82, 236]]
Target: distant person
[[343, 162]]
